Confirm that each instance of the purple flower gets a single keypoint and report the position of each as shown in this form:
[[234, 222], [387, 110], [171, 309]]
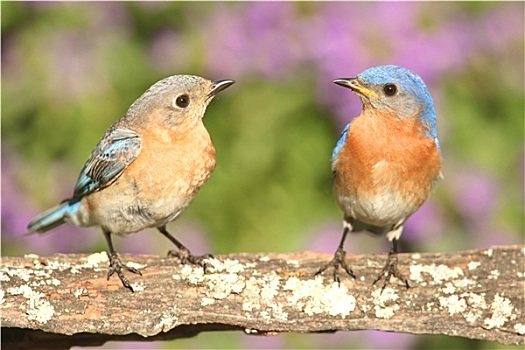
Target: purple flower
[[426, 225], [255, 39], [168, 52], [388, 340], [476, 194], [17, 212]]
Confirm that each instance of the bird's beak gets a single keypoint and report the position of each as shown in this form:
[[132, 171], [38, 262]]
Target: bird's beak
[[218, 86], [356, 86]]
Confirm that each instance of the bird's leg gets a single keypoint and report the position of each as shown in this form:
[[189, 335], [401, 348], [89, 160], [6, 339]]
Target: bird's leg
[[339, 258], [184, 253], [115, 265], [390, 269]]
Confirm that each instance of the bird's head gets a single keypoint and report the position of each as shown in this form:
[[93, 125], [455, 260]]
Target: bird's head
[[394, 90], [178, 99]]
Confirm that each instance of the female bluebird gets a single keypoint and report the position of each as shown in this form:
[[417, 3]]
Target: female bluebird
[[387, 160], [146, 169]]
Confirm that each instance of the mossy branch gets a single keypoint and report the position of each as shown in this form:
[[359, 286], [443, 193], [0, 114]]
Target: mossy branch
[[66, 300]]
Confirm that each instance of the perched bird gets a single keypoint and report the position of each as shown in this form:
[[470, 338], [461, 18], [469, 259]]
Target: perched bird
[[146, 169], [387, 160]]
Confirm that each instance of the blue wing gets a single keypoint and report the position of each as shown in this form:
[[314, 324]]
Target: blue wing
[[341, 141], [117, 149]]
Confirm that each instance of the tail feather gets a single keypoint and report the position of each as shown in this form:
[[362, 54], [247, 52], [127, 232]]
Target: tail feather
[[49, 219]]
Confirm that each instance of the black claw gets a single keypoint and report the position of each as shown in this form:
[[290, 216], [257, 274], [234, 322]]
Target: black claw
[[116, 266], [184, 253], [337, 261], [185, 257], [390, 269]]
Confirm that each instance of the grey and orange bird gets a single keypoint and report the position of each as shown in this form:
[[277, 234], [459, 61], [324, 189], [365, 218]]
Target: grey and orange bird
[[146, 169], [387, 160]]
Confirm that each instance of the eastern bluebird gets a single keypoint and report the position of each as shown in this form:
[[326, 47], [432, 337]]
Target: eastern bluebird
[[146, 169], [387, 160]]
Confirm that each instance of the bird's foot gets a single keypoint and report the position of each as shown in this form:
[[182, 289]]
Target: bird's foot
[[116, 266], [390, 269], [337, 261], [186, 257]]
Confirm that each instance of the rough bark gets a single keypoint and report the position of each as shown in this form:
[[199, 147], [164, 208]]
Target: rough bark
[[66, 300]]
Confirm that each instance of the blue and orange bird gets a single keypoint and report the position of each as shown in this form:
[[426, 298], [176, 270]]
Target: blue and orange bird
[[146, 169], [387, 160]]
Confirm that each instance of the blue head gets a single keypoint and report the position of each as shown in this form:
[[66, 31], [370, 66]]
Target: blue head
[[395, 89]]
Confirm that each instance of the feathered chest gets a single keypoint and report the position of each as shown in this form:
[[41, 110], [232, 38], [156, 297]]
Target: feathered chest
[[178, 162], [384, 153]]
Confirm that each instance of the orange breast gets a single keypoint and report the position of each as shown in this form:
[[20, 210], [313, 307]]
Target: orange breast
[[175, 164], [385, 158]]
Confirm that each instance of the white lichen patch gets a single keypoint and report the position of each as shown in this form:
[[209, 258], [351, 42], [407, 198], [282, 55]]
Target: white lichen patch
[[476, 304], [31, 256], [519, 328], [494, 274], [416, 256], [463, 283], [266, 296], [270, 287], [385, 302], [293, 262], [169, 319], [220, 286], [438, 273], [21, 273], [80, 292], [136, 266], [502, 312], [453, 303], [221, 279], [473, 265], [194, 276], [250, 295], [259, 294], [36, 307], [97, 258], [228, 265], [429, 307], [264, 258], [449, 288], [207, 301], [489, 252], [4, 277], [313, 297], [91, 262], [138, 287], [2, 299], [278, 312]]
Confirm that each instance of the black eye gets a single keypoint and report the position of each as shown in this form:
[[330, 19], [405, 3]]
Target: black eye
[[390, 89], [182, 101]]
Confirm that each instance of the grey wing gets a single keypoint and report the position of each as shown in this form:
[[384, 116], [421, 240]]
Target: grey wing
[[114, 153]]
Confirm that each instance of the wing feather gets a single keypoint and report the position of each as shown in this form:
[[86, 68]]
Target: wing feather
[[113, 154]]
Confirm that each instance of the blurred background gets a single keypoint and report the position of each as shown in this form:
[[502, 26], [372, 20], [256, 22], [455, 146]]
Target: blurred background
[[69, 70]]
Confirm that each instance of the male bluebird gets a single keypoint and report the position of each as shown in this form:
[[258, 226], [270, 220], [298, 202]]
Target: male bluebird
[[146, 169], [387, 160]]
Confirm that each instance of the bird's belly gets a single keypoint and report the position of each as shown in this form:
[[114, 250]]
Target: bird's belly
[[383, 195], [153, 196], [384, 209]]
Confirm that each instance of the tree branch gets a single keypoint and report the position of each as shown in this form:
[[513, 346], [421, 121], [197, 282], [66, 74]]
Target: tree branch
[[65, 300]]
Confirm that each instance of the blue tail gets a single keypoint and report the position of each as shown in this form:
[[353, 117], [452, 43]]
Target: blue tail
[[51, 218]]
